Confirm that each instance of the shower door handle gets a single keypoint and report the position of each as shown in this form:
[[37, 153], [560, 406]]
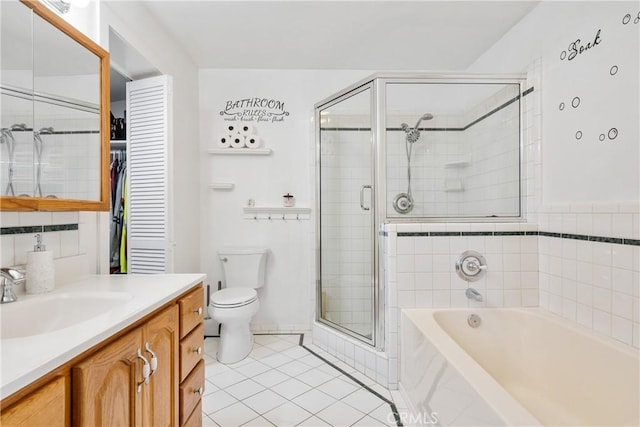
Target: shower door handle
[[362, 197]]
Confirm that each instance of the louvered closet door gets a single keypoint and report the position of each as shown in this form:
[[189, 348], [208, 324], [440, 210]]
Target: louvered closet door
[[148, 227]]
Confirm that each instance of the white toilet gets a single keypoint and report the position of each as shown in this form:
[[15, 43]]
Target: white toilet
[[235, 304]]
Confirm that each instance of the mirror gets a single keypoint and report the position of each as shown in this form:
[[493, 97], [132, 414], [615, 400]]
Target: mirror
[[53, 113]]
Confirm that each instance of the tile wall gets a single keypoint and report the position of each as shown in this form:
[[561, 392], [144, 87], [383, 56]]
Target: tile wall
[[594, 283]]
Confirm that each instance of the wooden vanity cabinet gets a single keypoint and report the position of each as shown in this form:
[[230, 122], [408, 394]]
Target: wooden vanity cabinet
[[109, 388], [105, 385]]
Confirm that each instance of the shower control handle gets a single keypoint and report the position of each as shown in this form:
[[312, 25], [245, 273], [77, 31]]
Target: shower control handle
[[362, 197]]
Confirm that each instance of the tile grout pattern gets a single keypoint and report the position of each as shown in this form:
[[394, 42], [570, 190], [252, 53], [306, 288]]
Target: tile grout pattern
[[285, 383]]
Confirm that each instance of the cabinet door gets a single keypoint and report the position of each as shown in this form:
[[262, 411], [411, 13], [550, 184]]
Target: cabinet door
[[47, 406], [160, 335], [104, 386]]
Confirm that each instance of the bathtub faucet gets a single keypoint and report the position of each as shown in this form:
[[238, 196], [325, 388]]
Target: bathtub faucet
[[473, 294]]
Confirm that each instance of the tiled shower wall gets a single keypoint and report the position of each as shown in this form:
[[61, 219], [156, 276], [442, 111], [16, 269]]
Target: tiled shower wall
[[490, 182], [469, 169], [429, 176]]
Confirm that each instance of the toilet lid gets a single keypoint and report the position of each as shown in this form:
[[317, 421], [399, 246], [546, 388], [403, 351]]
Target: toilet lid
[[233, 297]]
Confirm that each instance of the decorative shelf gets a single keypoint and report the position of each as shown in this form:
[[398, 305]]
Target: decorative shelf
[[222, 186], [458, 165], [241, 151], [276, 213]]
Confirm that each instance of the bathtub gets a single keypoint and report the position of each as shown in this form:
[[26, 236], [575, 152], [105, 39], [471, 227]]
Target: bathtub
[[518, 367]]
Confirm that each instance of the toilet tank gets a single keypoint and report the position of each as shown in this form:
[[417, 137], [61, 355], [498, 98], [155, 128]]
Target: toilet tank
[[243, 266]]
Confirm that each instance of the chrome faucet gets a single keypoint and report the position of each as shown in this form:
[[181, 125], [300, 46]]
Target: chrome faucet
[[10, 277], [473, 294]]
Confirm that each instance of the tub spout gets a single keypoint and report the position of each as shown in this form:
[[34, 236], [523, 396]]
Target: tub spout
[[473, 294]]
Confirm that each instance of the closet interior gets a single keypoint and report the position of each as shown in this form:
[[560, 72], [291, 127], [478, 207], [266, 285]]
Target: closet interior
[[118, 174]]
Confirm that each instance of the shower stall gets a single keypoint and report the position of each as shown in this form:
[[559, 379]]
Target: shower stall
[[393, 149]]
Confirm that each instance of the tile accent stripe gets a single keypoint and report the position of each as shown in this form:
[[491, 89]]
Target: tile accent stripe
[[37, 229], [616, 240]]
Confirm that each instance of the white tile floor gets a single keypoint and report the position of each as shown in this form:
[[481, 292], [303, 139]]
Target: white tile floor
[[283, 384]]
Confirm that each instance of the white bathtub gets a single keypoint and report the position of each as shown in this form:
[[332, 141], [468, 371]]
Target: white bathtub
[[519, 367]]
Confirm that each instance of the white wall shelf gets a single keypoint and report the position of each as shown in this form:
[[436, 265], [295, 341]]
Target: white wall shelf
[[222, 186], [274, 213], [241, 151]]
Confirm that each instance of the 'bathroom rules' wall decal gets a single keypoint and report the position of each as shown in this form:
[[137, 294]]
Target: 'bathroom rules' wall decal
[[255, 110]]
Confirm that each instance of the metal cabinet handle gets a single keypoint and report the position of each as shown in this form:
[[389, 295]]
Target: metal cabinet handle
[[197, 350], [146, 371], [199, 390], [154, 359], [198, 311], [362, 197]]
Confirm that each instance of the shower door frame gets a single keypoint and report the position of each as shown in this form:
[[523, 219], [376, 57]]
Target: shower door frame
[[377, 82], [377, 330]]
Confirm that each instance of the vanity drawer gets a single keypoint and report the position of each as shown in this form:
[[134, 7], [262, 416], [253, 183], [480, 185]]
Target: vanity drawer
[[191, 391], [195, 419], [191, 311], [191, 350]]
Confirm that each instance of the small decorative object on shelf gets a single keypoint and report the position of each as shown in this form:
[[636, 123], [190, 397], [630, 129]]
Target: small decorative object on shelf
[[288, 200]]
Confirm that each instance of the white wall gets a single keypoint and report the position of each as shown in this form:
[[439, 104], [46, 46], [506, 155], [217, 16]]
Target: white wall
[[286, 299], [587, 170]]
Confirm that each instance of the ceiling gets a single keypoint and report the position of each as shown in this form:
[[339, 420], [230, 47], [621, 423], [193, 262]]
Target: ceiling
[[329, 34]]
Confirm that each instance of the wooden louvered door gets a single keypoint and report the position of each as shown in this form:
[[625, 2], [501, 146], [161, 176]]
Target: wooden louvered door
[[148, 133]]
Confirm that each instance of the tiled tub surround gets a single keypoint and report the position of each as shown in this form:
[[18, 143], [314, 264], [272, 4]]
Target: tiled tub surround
[[595, 283], [566, 374]]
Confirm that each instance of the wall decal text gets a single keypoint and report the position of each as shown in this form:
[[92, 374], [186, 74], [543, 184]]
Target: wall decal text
[[577, 47], [254, 110]]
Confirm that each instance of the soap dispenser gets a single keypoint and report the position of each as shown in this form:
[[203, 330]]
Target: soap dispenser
[[40, 270]]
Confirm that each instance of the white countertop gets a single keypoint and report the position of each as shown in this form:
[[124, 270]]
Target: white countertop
[[25, 359]]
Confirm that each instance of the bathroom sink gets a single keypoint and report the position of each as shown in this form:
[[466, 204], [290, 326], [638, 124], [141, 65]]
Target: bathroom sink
[[48, 313]]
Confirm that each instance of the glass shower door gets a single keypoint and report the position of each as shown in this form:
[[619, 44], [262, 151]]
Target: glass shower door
[[346, 282]]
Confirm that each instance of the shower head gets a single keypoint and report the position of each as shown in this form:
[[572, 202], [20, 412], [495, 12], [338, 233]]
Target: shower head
[[426, 116]]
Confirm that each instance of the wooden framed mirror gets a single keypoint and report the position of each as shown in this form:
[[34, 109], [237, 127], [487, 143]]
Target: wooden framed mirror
[[54, 113]]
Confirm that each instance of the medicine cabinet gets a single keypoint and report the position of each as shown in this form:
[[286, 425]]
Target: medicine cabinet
[[54, 114]]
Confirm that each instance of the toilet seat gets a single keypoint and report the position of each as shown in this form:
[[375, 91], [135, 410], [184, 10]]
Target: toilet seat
[[233, 297]]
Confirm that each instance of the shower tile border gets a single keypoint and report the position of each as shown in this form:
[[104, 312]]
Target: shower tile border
[[37, 229], [583, 237]]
